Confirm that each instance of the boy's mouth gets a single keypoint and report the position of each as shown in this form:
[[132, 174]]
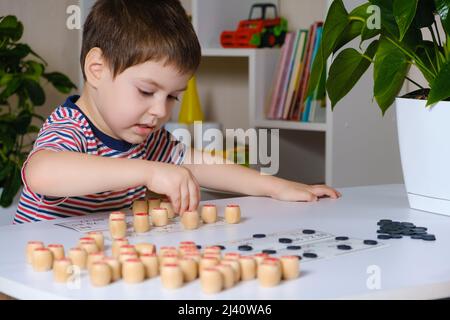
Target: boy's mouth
[[143, 129]]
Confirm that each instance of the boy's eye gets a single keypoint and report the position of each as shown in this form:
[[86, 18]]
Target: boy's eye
[[149, 94], [145, 93]]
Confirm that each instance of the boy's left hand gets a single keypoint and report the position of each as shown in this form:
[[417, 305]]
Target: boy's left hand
[[293, 191]]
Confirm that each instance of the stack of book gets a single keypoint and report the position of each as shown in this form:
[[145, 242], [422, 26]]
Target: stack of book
[[288, 100]]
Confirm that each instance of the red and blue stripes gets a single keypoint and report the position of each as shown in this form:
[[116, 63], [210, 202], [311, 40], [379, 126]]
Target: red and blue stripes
[[68, 129]]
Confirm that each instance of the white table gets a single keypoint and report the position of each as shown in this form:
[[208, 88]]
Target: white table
[[408, 268]]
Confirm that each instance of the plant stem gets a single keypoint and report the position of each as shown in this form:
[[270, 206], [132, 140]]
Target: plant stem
[[5, 158], [409, 79], [431, 61], [355, 18], [413, 57], [367, 57], [437, 32], [21, 143], [9, 106], [435, 47]]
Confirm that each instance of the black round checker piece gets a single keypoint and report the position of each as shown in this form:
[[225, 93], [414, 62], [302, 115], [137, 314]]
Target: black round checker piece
[[259, 235], [198, 247], [285, 240], [383, 236], [408, 224], [392, 227], [429, 237], [341, 238], [396, 232], [293, 247], [308, 231], [269, 251], [310, 255], [245, 248], [370, 242], [344, 247]]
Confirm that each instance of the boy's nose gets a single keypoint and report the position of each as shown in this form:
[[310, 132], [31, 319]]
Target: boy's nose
[[158, 109]]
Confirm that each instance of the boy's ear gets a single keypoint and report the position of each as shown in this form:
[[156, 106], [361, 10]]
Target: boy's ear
[[94, 66]]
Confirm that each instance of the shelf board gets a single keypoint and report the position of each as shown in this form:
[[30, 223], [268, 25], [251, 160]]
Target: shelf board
[[291, 125], [231, 52]]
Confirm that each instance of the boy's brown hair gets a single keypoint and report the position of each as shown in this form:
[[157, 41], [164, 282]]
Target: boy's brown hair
[[130, 32]]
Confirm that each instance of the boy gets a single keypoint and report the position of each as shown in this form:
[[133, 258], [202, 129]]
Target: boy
[[100, 151]]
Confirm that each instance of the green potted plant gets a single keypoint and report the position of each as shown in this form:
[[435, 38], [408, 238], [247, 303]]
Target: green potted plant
[[392, 33], [20, 93]]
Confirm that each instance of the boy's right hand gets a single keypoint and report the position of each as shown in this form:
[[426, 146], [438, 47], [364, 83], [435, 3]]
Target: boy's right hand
[[177, 183]]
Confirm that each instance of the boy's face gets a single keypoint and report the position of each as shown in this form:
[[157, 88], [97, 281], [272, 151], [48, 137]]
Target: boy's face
[[139, 100]]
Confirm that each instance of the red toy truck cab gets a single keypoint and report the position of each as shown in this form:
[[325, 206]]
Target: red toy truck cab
[[257, 33]]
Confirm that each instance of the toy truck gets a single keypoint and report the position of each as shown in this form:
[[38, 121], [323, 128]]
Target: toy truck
[[257, 32]]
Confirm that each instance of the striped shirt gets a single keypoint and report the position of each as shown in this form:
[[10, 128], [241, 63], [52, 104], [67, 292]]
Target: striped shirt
[[68, 129]]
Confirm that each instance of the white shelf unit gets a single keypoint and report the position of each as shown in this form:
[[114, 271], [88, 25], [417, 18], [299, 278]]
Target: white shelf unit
[[356, 146], [262, 65]]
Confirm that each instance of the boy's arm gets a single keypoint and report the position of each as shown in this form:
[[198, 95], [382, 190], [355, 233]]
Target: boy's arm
[[236, 178], [69, 174]]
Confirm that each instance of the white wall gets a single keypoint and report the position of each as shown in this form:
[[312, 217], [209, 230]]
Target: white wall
[[46, 33]]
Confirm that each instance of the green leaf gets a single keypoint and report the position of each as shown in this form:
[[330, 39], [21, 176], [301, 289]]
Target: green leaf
[[5, 78], [424, 14], [8, 133], [33, 129], [11, 187], [335, 24], [427, 53], [35, 92], [22, 122], [11, 28], [440, 90], [6, 169], [346, 70], [351, 32], [388, 22], [35, 70], [61, 82], [404, 13], [8, 139], [11, 57], [443, 7], [11, 87], [390, 69], [446, 46], [356, 27], [412, 39], [362, 12]]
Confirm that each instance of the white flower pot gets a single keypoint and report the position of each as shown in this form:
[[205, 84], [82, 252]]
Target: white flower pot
[[424, 138]]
